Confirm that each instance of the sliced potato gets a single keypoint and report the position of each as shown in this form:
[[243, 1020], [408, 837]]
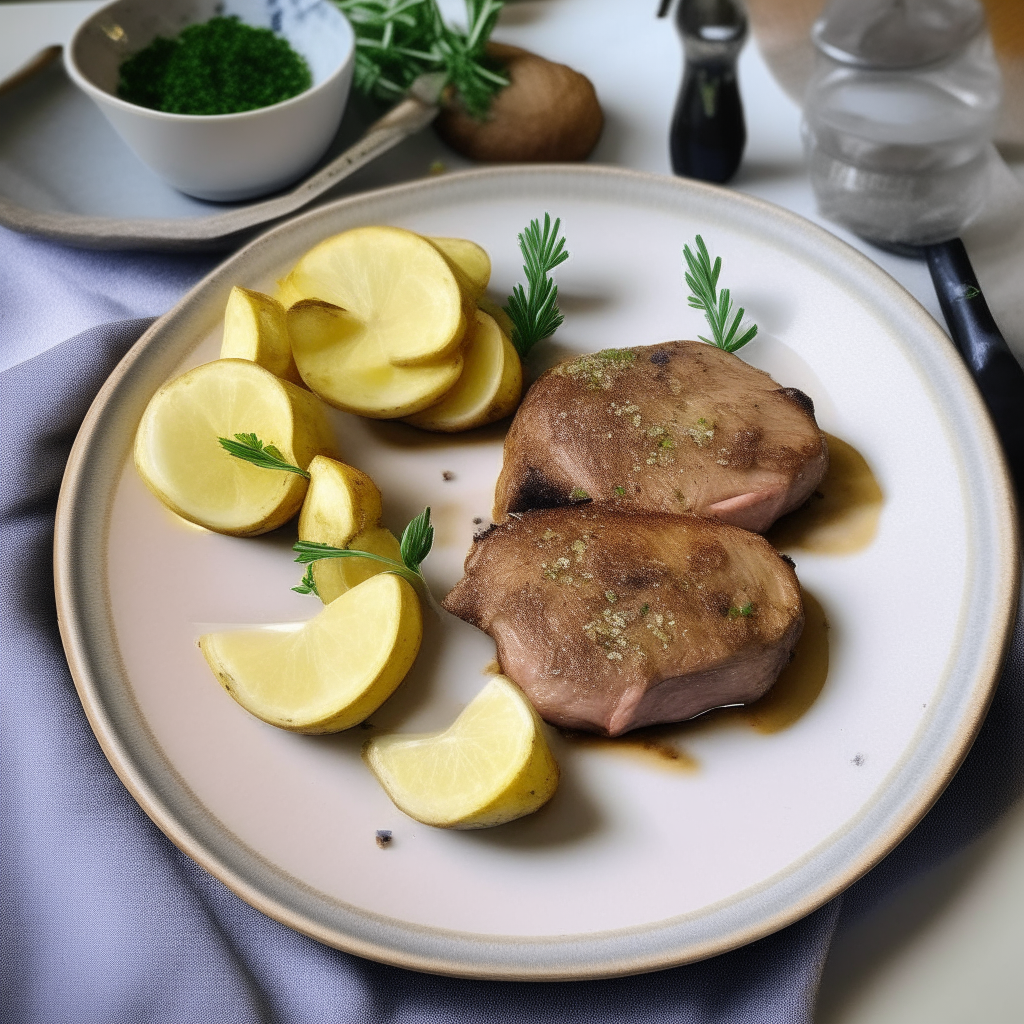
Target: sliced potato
[[327, 674], [491, 308], [181, 461], [492, 765], [339, 363], [343, 509], [396, 285], [255, 329], [490, 386], [287, 292], [471, 259]]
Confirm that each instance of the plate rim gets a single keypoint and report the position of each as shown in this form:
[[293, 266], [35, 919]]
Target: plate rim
[[584, 956]]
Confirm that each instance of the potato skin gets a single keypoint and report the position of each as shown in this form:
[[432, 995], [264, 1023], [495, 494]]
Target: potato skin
[[549, 113]]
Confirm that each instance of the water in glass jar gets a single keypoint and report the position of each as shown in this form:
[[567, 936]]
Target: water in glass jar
[[901, 155]]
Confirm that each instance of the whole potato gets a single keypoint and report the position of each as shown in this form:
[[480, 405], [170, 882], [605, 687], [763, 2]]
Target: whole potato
[[548, 113]]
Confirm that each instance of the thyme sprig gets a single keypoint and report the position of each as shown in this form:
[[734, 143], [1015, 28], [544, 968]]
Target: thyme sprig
[[534, 310], [702, 278], [249, 448], [417, 539], [399, 40]]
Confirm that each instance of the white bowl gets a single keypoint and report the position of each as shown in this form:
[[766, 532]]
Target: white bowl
[[223, 157]]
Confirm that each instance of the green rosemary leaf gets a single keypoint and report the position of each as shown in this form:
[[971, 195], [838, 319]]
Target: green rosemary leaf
[[308, 584], [249, 448], [310, 551], [409, 38], [702, 278], [417, 539], [533, 310], [313, 551], [416, 543]]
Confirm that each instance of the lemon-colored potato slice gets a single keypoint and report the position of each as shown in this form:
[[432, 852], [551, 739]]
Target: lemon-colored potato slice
[[343, 509], [255, 329], [490, 766], [491, 308], [490, 386], [396, 285], [181, 461], [287, 292], [336, 361], [471, 259], [327, 674]]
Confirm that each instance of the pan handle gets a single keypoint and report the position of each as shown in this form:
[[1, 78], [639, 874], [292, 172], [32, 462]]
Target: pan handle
[[994, 367]]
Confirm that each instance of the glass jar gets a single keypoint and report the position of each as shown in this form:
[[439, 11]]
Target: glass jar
[[899, 116]]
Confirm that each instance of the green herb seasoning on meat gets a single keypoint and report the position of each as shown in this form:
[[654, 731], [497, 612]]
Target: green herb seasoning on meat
[[222, 66]]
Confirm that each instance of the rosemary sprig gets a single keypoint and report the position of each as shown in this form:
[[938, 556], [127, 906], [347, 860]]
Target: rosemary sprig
[[250, 448], [399, 40], [702, 278], [417, 539], [534, 311], [308, 584]]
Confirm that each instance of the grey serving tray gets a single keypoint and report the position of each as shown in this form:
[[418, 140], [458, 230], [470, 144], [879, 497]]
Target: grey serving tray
[[65, 174]]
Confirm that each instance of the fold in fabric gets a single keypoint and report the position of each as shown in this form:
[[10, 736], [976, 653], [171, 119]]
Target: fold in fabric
[[105, 921]]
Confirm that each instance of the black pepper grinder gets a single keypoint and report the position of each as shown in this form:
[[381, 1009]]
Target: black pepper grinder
[[708, 132]]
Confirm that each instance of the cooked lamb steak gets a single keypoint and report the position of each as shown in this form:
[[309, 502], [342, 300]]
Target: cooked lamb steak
[[611, 620], [676, 427]]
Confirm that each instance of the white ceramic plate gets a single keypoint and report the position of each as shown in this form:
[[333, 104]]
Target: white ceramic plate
[[630, 867]]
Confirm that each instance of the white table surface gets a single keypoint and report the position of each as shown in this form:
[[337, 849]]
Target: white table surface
[[947, 948]]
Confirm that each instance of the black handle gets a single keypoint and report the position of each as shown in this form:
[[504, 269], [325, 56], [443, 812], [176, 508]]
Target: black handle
[[708, 131], [994, 367]]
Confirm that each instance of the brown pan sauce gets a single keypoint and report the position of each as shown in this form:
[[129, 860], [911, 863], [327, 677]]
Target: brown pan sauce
[[841, 517]]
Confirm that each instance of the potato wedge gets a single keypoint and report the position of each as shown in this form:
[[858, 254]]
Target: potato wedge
[[181, 461], [340, 364], [327, 674], [397, 285], [255, 329], [492, 765], [343, 509], [490, 386]]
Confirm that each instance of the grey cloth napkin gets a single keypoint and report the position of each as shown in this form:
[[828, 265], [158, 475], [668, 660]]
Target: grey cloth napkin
[[103, 920]]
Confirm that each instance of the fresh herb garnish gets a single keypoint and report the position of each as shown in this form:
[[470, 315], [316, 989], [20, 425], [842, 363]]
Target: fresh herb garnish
[[308, 584], [534, 311], [702, 278], [249, 448], [220, 66], [399, 40], [417, 539]]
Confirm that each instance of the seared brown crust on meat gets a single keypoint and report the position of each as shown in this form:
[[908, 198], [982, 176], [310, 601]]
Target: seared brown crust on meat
[[676, 427], [611, 620]]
